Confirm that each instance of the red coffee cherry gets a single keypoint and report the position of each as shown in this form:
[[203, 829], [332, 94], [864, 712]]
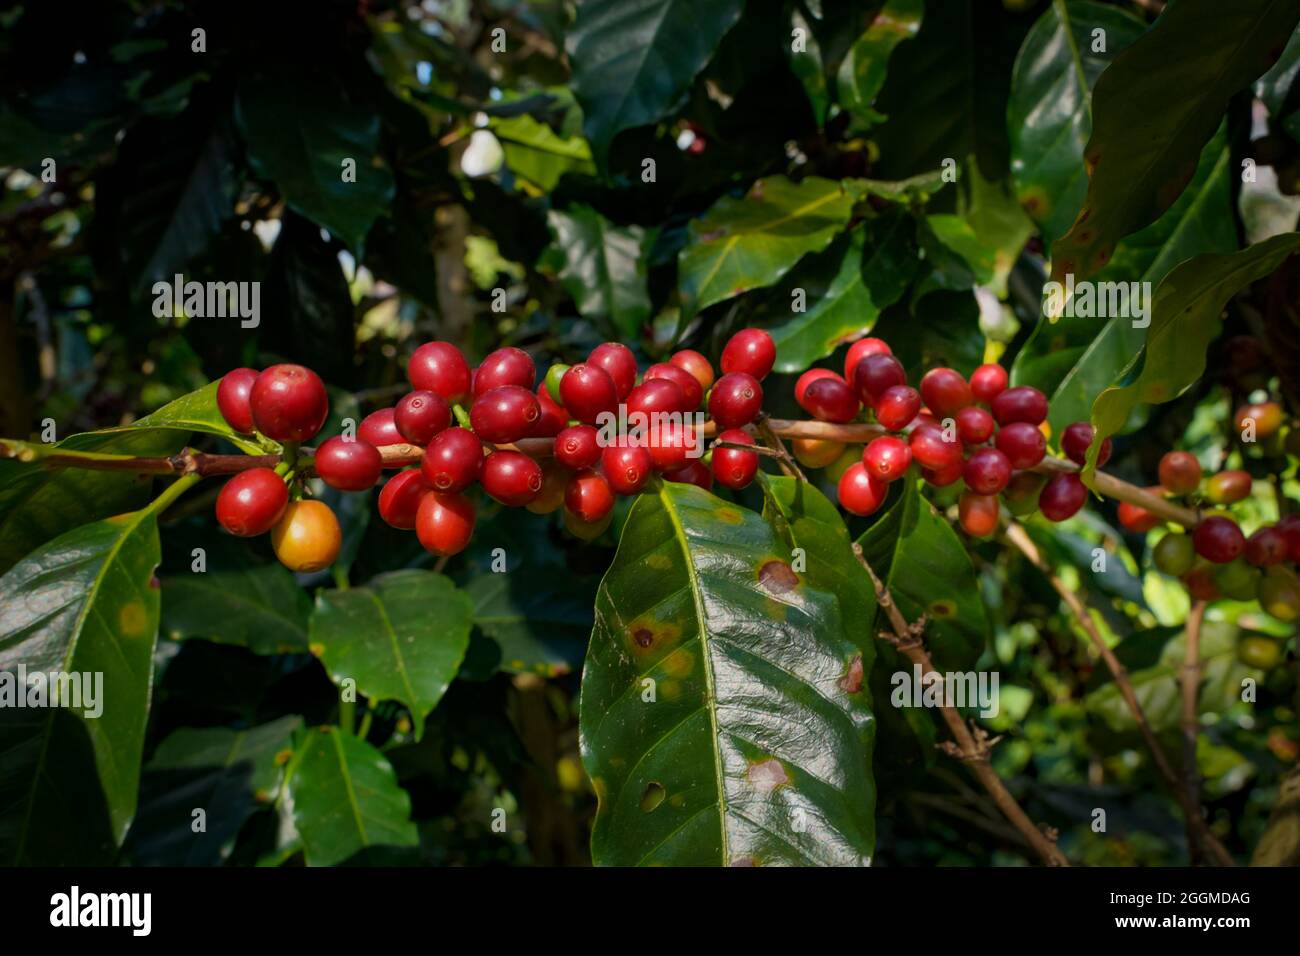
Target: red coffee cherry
[[684, 380], [874, 374], [627, 468], [750, 351], [453, 461], [733, 468], [860, 350], [233, 398], [1267, 546], [656, 396], [987, 382], [1062, 497], [807, 378], [444, 522], [897, 406], [735, 400], [944, 476], [1218, 540], [1180, 472], [1266, 416], [667, 446], [693, 472], [987, 471], [588, 496], [830, 400], [974, 425], [931, 451], [418, 416], [1022, 443], [506, 366], [512, 478], [1020, 404], [348, 465], [554, 416], [252, 502], [887, 458], [1229, 487], [555, 478], [1289, 525], [289, 403], [619, 363], [504, 414], [860, 491], [945, 392], [1137, 519], [399, 499], [379, 428], [978, 514], [440, 367], [578, 447], [1200, 584], [1075, 441], [691, 361], [587, 391]]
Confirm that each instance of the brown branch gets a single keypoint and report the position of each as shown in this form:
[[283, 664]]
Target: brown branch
[[768, 436], [1191, 683], [1191, 811], [972, 745]]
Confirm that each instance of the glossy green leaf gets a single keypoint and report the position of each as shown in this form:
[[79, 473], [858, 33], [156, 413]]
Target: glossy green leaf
[[723, 720], [541, 626], [749, 243], [401, 637], [346, 798], [806, 63], [1185, 318], [604, 267], [862, 72], [634, 60], [535, 152], [1049, 113], [1155, 108]]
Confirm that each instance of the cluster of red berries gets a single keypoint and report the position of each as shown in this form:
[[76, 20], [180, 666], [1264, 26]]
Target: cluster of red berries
[[977, 430], [462, 418]]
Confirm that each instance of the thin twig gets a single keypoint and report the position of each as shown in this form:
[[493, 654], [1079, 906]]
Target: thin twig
[[1191, 681], [763, 425]]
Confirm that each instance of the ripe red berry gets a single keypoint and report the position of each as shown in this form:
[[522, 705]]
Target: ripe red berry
[[1180, 472], [1289, 525], [860, 491], [693, 472], [504, 414], [987, 471], [1020, 404], [511, 477], [1266, 418], [619, 363], [399, 499], [807, 378], [945, 392], [1022, 443], [987, 382], [944, 476], [289, 403], [687, 382], [588, 496], [1266, 546], [897, 406], [1075, 441], [1229, 487], [667, 446], [751, 351], [578, 447], [444, 522], [440, 367], [931, 451], [233, 398], [554, 416], [1137, 519], [974, 425], [587, 391], [830, 400], [627, 467], [1062, 497], [453, 461], [505, 366], [1218, 539], [691, 361], [732, 467], [874, 374], [348, 465], [860, 350], [978, 514], [252, 502], [418, 416], [735, 400], [656, 396], [887, 457], [379, 428]]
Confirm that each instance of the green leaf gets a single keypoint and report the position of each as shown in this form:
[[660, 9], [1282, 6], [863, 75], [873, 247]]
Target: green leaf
[[535, 152], [84, 604], [1072, 360], [229, 774], [402, 637], [1185, 319], [743, 244], [1049, 114], [752, 748], [540, 624], [1155, 108], [300, 131], [806, 64], [634, 60], [346, 798], [604, 267], [862, 72]]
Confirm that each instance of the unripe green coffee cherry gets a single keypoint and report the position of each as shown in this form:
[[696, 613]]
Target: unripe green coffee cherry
[[1175, 554], [1237, 580], [1279, 596], [553, 376], [1021, 493], [1256, 650]]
